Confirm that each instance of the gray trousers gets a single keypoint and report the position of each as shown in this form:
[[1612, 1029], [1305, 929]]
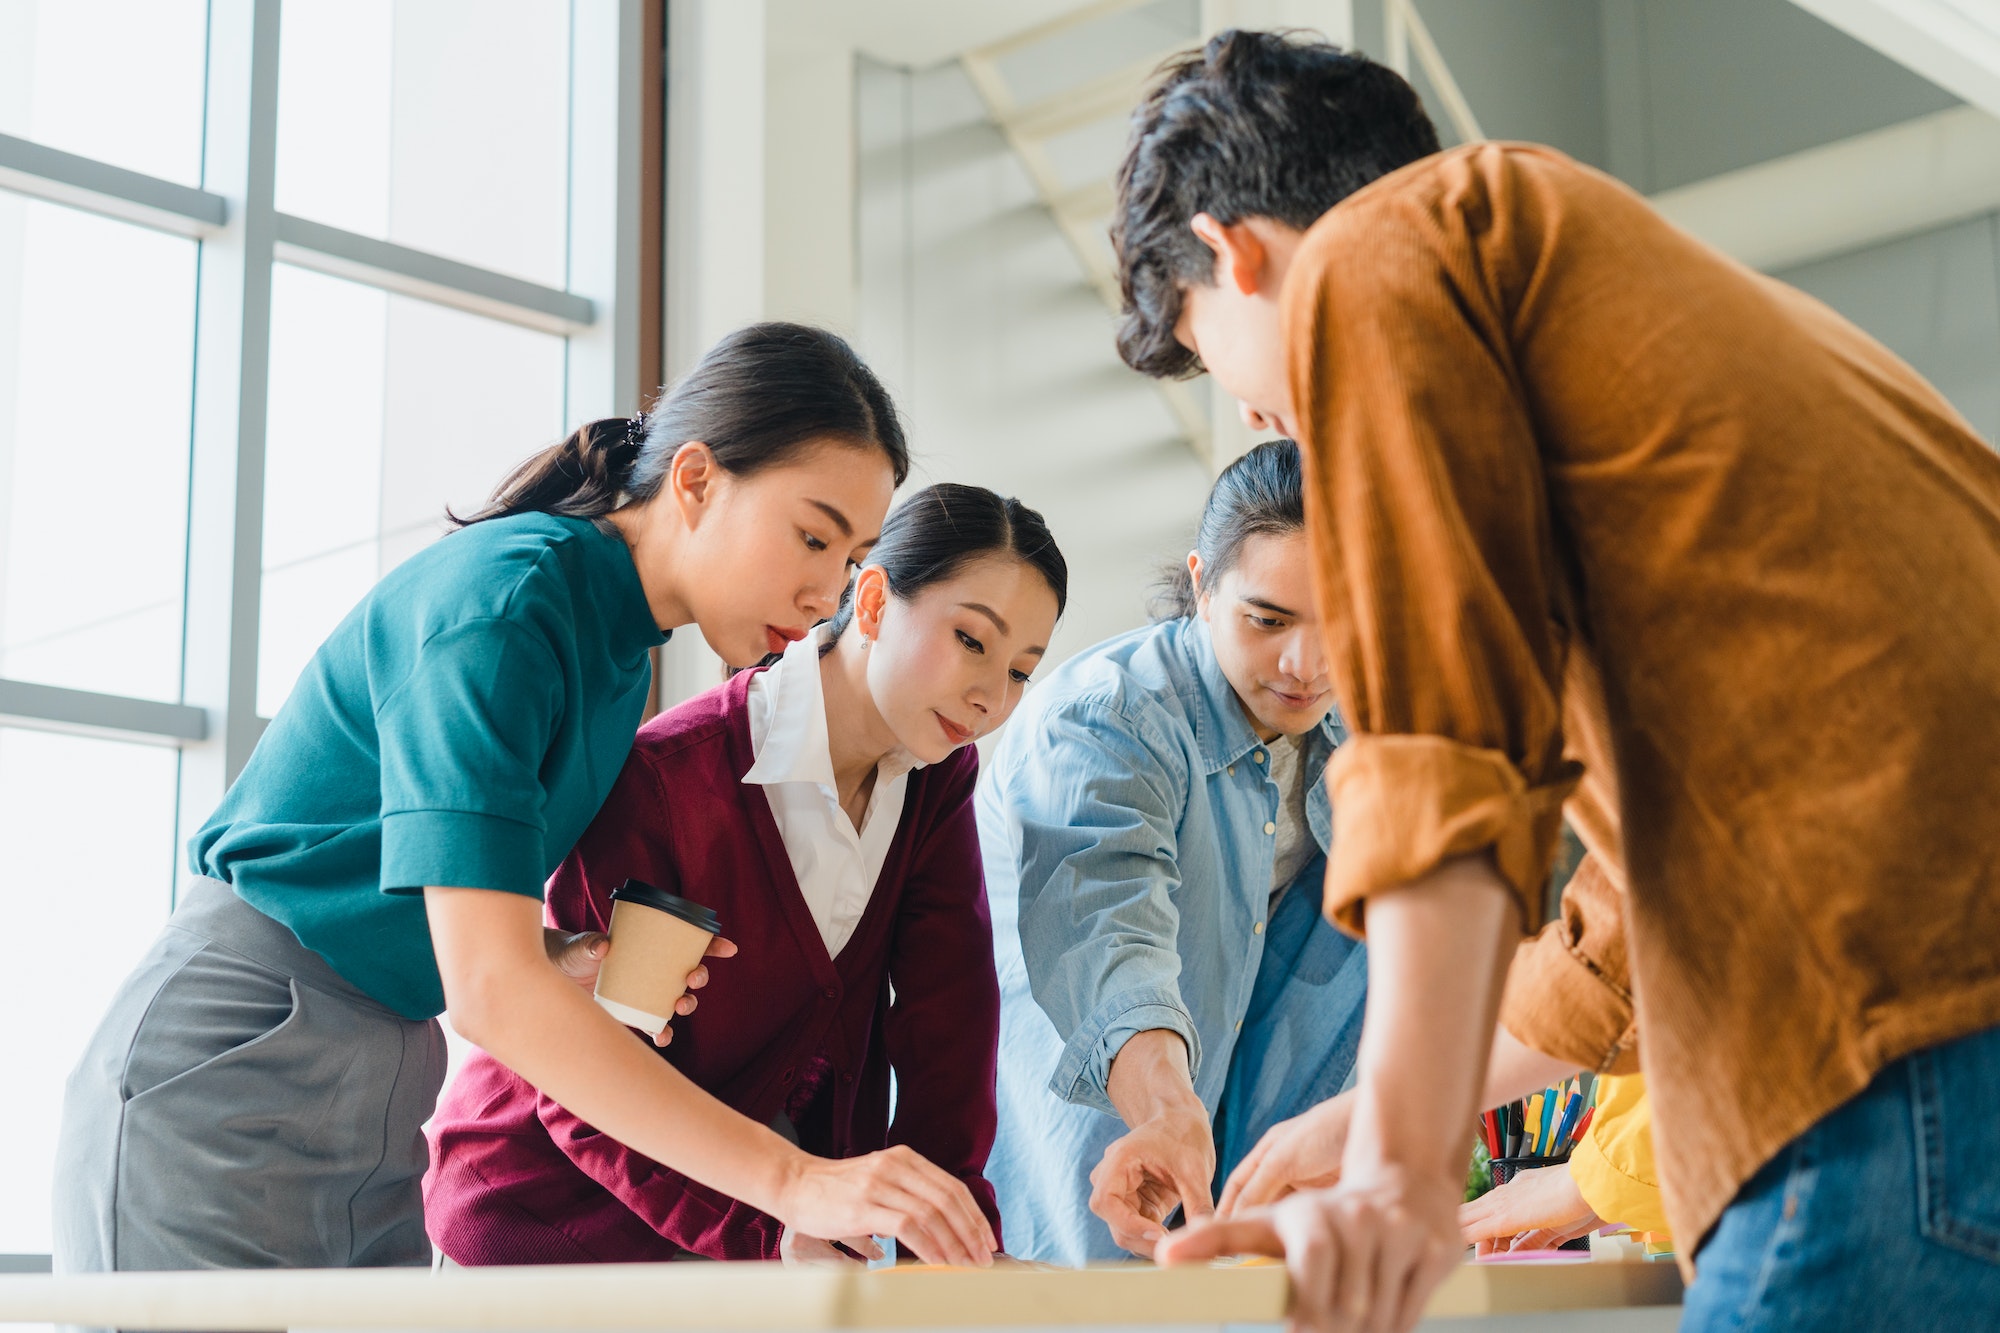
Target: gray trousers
[[243, 1106]]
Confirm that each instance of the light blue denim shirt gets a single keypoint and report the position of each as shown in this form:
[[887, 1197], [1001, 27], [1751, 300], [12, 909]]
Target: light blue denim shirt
[[1126, 817]]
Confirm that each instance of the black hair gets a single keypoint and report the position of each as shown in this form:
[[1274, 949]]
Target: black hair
[[759, 396], [1260, 494], [942, 528], [1255, 124]]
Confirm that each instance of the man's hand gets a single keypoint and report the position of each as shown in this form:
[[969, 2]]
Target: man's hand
[[580, 956], [1167, 1160], [1296, 1154], [1536, 1210], [1363, 1255], [799, 1250]]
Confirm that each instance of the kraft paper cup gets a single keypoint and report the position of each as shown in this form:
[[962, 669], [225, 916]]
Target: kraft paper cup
[[657, 938]]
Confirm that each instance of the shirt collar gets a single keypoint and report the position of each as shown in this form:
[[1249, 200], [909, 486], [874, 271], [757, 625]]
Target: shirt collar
[[788, 732], [1222, 729]]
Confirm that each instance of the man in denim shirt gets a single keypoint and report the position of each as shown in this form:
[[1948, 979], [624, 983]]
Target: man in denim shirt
[[1155, 830]]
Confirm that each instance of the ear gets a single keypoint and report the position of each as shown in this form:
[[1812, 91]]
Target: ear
[[871, 595], [691, 479], [1239, 254], [1194, 576]]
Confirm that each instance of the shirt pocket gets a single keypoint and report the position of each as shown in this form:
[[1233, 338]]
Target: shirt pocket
[[1955, 1090]]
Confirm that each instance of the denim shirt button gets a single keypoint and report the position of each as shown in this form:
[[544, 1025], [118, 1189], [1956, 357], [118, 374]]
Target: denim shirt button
[[1257, 929], [1232, 770], [1270, 827], [1259, 756]]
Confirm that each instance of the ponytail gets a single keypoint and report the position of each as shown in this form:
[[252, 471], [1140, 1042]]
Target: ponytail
[[582, 477], [758, 398]]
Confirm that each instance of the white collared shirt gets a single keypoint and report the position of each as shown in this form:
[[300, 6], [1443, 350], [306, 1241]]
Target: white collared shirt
[[836, 866]]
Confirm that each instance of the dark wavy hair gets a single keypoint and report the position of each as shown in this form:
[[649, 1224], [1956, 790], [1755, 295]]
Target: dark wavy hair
[[757, 398], [1261, 493], [1255, 124], [943, 528]]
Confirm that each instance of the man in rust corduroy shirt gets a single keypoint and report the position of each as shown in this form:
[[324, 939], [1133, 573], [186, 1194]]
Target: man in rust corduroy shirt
[[1607, 525]]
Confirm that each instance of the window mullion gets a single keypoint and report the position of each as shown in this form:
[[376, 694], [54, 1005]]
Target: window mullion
[[232, 363]]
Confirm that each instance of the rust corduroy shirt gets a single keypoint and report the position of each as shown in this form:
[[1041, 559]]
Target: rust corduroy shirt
[[1605, 521]]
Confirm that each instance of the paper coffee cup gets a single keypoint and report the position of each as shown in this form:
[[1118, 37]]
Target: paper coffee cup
[[657, 938]]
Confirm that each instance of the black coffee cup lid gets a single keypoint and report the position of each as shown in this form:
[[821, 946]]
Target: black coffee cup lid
[[688, 910]]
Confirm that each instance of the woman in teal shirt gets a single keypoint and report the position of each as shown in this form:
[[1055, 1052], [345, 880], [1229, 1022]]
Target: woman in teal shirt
[[255, 1095]]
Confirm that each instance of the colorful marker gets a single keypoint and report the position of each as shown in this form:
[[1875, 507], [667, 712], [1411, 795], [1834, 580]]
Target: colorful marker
[[1567, 1125]]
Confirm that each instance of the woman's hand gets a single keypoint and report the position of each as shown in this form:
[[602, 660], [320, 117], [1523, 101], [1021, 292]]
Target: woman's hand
[[1363, 1255], [1536, 1210], [802, 1251], [581, 956], [1296, 1154], [896, 1193]]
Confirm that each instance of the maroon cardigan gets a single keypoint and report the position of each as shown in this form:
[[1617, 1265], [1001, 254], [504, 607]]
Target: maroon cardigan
[[515, 1179]]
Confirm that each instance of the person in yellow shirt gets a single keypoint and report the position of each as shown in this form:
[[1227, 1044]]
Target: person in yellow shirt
[[1609, 1180]]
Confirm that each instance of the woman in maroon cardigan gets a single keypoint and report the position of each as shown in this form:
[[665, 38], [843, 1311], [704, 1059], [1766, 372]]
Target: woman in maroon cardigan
[[823, 808]]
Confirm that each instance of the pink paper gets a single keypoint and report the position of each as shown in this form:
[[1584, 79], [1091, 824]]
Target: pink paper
[[1537, 1256]]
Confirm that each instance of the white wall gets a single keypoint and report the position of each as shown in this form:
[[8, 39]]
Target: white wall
[[715, 173], [808, 181], [809, 246], [1666, 93], [975, 312]]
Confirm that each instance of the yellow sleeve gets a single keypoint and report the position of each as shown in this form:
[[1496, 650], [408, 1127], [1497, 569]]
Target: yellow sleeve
[[1613, 1164]]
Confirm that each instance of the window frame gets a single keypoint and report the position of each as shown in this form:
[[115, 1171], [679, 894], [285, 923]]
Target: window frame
[[601, 312]]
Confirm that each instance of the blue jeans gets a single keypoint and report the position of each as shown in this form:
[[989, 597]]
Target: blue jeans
[[1885, 1215]]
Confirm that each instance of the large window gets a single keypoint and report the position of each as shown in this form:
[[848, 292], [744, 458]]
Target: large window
[[277, 286], [96, 391]]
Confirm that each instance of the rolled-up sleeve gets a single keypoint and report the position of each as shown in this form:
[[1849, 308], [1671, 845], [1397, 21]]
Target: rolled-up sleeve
[[1097, 809], [1569, 993], [1433, 561], [463, 740]]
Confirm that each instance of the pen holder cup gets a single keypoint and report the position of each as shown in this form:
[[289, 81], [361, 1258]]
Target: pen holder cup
[[1506, 1168]]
